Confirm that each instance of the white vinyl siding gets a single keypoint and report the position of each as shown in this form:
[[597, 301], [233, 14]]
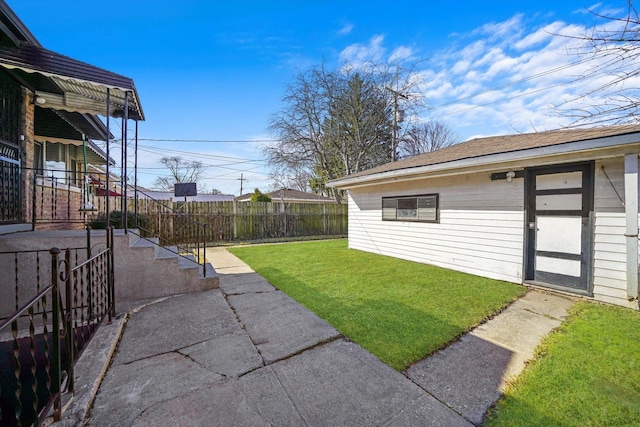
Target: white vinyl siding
[[609, 248], [482, 224], [473, 234]]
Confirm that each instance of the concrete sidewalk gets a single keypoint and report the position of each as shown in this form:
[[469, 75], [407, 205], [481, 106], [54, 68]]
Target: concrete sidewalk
[[247, 354]]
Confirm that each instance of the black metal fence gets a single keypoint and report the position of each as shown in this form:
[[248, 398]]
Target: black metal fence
[[43, 338], [189, 243], [70, 199], [10, 154], [10, 192]]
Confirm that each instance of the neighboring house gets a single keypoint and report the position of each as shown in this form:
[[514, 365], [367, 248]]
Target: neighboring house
[[289, 195], [170, 195], [555, 209], [50, 108]]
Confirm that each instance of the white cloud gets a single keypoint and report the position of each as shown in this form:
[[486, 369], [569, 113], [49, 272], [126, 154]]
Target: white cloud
[[540, 36], [502, 31], [346, 29], [358, 54], [506, 77], [461, 67], [401, 53]]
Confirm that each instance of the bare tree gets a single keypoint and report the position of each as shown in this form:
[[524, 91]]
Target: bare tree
[[333, 123], [426, 137], [287, 178], [181, 171], [612, 83]]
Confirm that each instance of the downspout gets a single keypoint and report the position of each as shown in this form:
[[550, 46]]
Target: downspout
[[631, 217]]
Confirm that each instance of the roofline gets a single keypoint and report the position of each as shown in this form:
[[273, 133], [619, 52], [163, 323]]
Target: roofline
[[100, 152], [113, 81], [24, 31], [453, 167]]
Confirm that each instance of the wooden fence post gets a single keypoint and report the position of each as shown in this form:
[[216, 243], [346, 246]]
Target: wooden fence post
[[235, 221]]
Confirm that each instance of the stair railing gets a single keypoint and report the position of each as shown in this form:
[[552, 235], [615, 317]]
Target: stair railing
[[172, 228], [44, 337]]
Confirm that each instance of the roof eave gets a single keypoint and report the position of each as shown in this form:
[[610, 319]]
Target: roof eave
[[18, 24], [79, 76], [454, 167]]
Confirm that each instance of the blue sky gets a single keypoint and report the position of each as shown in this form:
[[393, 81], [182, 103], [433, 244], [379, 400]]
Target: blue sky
[[217, 71]]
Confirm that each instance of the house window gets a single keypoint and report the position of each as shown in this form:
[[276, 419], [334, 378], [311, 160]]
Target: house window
[[410, 208], [38, 162]]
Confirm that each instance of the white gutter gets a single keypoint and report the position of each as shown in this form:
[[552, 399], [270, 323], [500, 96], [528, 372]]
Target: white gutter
[[491, 159]]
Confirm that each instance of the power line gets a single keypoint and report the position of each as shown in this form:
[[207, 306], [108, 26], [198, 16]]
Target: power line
[[516, 82], [497, 101], [207, 140]]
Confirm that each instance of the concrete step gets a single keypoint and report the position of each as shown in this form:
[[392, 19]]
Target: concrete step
[[161, 271], [150, 242], [166, 252], [189, 262]]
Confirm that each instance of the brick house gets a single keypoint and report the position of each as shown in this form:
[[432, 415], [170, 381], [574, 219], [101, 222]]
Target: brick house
[[48, 126]]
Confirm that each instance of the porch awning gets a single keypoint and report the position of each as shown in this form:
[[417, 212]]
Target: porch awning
[[102, 192], [77, 86], [68, 128]]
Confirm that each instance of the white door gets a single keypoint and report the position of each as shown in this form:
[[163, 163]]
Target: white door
[[560, 200]]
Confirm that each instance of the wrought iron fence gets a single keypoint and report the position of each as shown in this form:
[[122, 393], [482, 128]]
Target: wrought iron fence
[[189, 242], [71, 198], [43, 338], [10, 181], [10, 153]]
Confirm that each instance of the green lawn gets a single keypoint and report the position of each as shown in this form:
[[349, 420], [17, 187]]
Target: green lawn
[[400, 311], [587, 373]]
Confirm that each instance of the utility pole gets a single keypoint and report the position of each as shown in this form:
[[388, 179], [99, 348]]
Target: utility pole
[[394, 138], [241, 179]]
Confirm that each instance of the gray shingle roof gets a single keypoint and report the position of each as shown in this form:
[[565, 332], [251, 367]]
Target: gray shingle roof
[[480, 147], [290, 194]]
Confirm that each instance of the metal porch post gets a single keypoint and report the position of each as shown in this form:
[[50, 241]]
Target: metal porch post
[[135, 178], [108, 181], [123, 203], [55, 329]]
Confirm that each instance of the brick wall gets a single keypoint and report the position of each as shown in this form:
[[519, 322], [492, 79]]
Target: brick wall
[[27, 146], [58, 206]]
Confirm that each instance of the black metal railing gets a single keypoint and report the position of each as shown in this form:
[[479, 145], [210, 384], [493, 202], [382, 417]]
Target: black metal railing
[[10, 182], [43, 338], [189, 241], [71, 197]]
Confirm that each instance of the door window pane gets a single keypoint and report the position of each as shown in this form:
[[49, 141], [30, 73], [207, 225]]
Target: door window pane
[[559, 180]]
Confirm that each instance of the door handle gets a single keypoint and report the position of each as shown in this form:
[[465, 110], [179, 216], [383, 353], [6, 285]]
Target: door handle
[[532, 226]]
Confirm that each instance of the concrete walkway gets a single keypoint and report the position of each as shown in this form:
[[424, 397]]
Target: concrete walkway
[[247, 354]]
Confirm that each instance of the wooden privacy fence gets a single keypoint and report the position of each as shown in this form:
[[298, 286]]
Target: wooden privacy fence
[[230, 221]]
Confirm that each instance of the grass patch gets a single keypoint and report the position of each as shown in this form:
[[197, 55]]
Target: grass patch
[[587, 373], [401, 311]]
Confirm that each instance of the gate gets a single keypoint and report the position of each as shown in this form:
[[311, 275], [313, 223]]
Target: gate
[[10, 173]]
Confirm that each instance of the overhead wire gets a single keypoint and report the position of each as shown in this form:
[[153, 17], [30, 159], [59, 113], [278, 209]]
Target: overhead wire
[[515, 82], [240, 160]]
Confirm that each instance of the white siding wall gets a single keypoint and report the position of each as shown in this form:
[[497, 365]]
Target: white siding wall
[[480, 230], [609, 268], [481, 227]]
